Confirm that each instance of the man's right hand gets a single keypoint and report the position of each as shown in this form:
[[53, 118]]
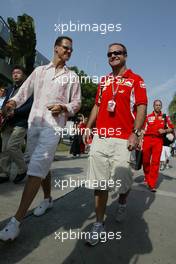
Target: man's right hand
[[8, 109], [10, 105]]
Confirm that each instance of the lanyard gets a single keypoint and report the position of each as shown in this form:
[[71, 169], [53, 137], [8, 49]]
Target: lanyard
[[114, 92]]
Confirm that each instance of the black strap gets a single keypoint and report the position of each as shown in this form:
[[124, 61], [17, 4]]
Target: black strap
[[165, 121]]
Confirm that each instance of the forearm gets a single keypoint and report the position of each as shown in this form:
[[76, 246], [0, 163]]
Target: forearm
[[140, 116], [168, 130], [93, 116]]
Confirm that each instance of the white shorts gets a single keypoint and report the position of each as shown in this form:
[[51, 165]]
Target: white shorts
[[109, 165], [166, 153], [41, 146]]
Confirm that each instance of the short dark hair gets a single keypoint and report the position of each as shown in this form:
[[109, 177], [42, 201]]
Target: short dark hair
[[158, 100], [59, 40], [119, 44], [19, 67]]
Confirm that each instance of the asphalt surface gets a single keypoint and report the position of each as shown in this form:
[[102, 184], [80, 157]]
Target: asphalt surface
[[148, 234]]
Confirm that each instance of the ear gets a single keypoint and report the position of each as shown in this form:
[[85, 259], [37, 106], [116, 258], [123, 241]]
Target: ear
[[56, 49]]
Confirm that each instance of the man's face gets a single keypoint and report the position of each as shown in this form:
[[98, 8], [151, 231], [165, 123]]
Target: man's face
[[157, 106], [2, 92], [116, 60], [64, 50], [18, 76]]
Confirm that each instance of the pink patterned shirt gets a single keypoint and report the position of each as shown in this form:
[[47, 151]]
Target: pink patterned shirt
[[50, 87]]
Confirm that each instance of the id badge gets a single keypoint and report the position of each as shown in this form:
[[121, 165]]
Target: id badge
[[111, 105]]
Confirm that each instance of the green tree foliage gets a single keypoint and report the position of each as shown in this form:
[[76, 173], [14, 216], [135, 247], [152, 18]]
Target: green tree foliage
[[88, 89], [22, 44], [172, 109]]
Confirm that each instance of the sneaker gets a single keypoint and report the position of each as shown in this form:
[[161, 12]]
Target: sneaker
[[167, 166], [121, 213], [11, 230], [162, 167], [96, 234], [43, 207]]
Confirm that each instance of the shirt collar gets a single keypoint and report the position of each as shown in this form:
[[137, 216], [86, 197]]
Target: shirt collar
[[50, 65], [160, 114], [126, 74]]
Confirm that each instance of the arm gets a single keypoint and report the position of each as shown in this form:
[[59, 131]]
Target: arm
[[133, 140], [90, 123], [25, 108], [140, 116], [93, 116], [141, 109], [74, 98]]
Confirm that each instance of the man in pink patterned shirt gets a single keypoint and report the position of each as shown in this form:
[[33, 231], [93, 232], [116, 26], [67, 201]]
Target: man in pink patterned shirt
[[57, 95]]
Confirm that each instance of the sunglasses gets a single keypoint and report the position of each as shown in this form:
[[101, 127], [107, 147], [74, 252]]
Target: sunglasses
[[67, 48], [116, 53]]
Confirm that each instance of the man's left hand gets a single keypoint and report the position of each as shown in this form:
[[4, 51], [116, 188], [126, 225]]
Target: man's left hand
[[133, 142], [55, 109]]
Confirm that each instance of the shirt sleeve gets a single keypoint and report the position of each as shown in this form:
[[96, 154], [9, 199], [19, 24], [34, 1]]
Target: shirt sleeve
[[74, 98], [26, 90], [169, 123], [140, 92]]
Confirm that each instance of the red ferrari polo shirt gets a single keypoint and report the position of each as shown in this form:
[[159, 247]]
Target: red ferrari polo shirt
[[130, 91], [155, 122]]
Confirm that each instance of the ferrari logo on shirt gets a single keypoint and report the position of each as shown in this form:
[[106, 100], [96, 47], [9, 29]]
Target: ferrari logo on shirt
[[126, 82], [129, 83]]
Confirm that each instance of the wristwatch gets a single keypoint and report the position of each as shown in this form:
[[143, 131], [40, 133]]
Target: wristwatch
[[137, 132]]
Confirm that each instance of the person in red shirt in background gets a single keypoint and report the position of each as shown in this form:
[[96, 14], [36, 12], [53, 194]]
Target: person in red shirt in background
[[153, 142]]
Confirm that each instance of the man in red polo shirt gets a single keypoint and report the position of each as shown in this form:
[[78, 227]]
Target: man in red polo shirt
[[119, 113], [153, 142]]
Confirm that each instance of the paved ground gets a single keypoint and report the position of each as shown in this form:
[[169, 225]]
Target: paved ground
[[148, 234]]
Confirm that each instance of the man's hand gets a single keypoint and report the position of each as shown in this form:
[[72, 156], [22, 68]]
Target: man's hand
[[55, 109], [10, 105], [8, 110], [161, 131], [87, 135], [133, 142]]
